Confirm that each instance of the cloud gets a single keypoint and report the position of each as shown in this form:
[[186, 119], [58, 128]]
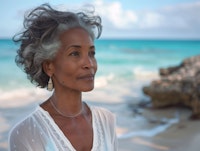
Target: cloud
[[180, 19], [183, 16], [114, 15]]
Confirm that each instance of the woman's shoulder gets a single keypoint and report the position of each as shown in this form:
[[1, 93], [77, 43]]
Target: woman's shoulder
[[25, 124], [29, 133], [102, 110], [103, 113], [105, 120]]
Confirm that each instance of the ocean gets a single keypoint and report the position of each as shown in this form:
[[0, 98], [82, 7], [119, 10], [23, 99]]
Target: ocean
[[124, 67]]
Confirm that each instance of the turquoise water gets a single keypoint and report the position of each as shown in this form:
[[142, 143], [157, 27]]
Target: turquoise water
[[119, 61], [124, 57]]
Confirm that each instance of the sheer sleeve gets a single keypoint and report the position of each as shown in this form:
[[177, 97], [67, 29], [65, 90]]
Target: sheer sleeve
[[111, 119], [23, 136], [29, 136], [114, 139], [108, 120]]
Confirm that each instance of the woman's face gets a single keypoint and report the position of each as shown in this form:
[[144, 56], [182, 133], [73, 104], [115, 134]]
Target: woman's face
[[75, 65]]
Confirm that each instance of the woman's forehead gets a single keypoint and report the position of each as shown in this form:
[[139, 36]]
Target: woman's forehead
[[76, 36]]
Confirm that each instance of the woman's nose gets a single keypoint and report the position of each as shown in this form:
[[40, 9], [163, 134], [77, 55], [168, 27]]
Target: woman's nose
[[89, 62]]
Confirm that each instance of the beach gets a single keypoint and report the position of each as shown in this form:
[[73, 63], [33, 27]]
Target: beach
[[124, 67], [182, 135]]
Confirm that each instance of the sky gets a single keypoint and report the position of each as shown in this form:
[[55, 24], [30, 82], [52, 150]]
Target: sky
[[125, 19]]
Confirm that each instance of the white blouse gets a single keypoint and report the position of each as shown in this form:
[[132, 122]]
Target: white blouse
[[39, 132]]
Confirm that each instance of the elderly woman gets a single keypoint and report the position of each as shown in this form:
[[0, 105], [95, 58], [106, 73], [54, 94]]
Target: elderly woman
[[57, 51]]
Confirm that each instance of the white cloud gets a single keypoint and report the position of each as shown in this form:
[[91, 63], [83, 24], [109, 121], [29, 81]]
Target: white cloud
[[114, 15], [177, 20], [184, 16], [149, 20], [180, 19]]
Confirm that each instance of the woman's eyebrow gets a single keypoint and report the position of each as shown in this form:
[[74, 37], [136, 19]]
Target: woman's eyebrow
[[79, 46], [75, 46], [92, 47], [72, 46]]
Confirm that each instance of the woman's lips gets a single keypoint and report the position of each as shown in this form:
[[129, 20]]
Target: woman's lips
[[86, 77]]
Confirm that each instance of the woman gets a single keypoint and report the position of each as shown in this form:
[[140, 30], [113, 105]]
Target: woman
[[57, 51]]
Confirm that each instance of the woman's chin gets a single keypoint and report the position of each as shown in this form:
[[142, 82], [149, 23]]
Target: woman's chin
[[88, 89]]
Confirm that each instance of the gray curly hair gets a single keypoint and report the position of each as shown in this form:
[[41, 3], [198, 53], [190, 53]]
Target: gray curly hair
[[39, 41]]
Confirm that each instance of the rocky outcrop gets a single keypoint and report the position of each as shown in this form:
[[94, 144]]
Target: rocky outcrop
[[179, 85]]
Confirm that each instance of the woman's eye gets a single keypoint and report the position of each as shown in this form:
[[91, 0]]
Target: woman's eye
[[74, 53], [92, 53]]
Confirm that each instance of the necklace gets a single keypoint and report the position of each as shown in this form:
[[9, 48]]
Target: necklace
[[67, 116]]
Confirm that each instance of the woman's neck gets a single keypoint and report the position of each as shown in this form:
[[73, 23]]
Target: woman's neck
[[68, 102]]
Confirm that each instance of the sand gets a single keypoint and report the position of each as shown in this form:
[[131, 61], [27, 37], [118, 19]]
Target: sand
[[182, 135], [146, 129]]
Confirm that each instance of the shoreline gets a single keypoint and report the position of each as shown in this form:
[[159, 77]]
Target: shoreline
[[175, 131]]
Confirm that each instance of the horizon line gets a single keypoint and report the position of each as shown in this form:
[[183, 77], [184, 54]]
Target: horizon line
[[129, 38]]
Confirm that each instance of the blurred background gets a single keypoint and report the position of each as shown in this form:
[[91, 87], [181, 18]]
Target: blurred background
[[139, 37]]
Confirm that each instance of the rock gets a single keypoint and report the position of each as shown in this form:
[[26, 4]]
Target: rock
[[178, 85]]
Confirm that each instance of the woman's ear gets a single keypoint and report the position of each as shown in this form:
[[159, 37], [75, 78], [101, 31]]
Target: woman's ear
[[48, 67]]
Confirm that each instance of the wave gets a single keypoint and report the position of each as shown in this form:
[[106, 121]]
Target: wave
[[113, 87], [102, 81], [152, 132], [22, 97], [104, 92], [145, 74]]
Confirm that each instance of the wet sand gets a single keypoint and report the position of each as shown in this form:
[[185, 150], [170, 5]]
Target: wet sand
[[182, 135]]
